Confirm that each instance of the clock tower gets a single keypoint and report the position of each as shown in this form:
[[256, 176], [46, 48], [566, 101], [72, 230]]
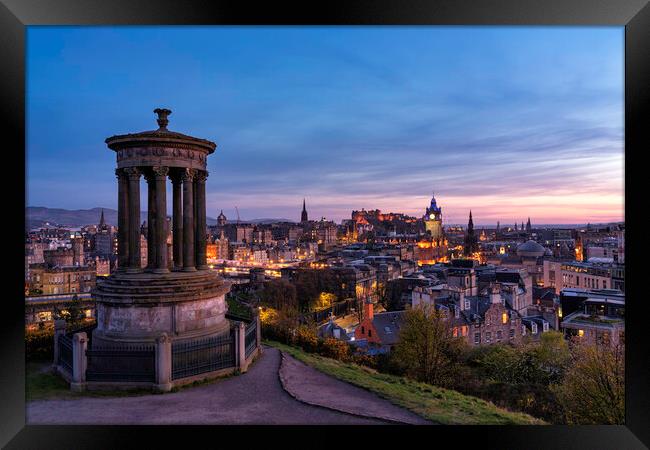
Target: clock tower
[[433, 219]]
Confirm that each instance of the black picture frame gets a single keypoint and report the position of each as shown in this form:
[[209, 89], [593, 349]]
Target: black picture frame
[[15, 15]]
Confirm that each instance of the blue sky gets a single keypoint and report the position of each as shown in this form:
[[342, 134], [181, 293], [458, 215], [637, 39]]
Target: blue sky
[[509, 122]]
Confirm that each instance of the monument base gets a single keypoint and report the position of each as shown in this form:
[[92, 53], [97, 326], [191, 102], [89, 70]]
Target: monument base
[[134, 309]]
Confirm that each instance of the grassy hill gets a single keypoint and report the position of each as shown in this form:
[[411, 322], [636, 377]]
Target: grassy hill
[[439, 405]]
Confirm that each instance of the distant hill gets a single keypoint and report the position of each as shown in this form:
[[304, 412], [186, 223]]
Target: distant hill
[[37, 216], [266, 221]]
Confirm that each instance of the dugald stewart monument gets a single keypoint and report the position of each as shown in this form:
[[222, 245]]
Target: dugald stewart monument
[[165, 323]]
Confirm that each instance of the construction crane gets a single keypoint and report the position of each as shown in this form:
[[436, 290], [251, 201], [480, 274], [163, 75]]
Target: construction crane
[[238, 220]]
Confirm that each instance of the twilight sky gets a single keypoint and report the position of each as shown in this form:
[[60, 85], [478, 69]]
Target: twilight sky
[[509, 122]]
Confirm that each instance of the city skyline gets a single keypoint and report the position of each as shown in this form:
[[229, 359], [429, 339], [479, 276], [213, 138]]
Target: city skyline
[[509, 122]]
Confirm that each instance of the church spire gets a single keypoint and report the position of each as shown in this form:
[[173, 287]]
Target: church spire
[[303, 216], [102, 222], [471, 244]]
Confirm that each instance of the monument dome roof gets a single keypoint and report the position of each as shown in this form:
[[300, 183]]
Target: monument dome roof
[[160, 137]]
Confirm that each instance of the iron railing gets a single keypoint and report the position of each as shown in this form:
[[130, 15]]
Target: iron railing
[[65, 352], [203, 355], [129, 363], [251, 337]]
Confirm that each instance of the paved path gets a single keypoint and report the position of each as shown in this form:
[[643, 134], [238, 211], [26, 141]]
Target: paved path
[[313, 387], [256, 397]]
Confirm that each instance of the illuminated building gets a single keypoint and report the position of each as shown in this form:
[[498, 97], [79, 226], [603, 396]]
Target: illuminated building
[[432, 247], [586, 275], [47, 279], [594, 316], [579, 248], [484, 319], [104, 239], [433, 219], [211, 251]]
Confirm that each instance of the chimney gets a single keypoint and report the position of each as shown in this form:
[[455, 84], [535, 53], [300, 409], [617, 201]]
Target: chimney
[[368, 310], [495, 295]]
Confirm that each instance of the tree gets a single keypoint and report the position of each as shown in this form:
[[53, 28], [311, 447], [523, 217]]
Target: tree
[[427, 350], [542, 362], [278, 294], [73, 315], [325, 300], [593, 389], [550, 357]]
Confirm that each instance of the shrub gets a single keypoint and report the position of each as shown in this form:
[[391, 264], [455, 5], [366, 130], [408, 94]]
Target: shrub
[[39, 344], [306, 338], [333, 348], [39, 341]]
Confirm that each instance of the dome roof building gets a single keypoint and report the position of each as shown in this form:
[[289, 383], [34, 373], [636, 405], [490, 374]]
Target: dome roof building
[[221, 219], [531, 249]]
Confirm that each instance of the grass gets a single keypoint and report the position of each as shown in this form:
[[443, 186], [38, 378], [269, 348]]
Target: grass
[[439, 405], [42, 384]]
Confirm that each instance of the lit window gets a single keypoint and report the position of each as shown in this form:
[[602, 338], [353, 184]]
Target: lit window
[[581, 333], [504, 317]]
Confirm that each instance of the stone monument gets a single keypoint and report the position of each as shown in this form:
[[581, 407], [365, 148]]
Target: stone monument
[[181, 298]]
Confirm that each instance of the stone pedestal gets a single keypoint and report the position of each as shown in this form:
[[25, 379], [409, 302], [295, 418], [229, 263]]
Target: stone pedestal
[[241, 347], [259, 332], [138, 308], [79, 362], [163, 363]]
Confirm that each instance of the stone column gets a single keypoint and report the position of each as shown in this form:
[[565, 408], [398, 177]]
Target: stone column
[[133, 174], [160, 229], [177, 225], [188, 220], [79, 362], [151, 220], [163, 363], [122, 220], [200, 219]]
